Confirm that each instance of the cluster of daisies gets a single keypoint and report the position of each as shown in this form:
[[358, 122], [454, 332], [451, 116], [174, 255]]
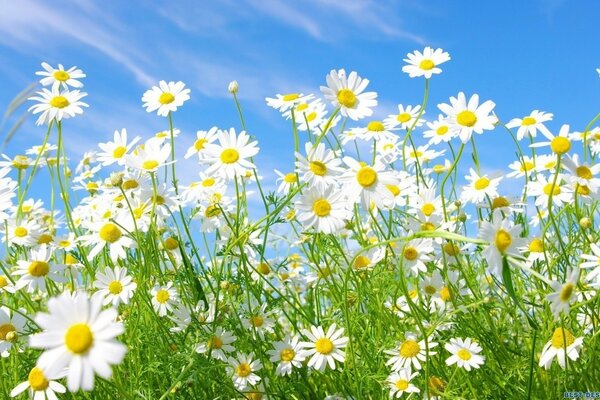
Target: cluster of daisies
[[279, 294]]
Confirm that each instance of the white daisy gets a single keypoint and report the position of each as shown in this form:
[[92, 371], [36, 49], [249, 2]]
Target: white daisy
[[406, 117], [60, 77], [347, 94], [202, 139], [37, 268], [115, 286], [231, 156], [283, 102], [377, 130], [416, 253], [164, 298], [116, 150], [165, 97], [324, 348], [287, 354], [530, 124], [149, 157], [479, 188], [218, 343], [325, 211], [559, 144], [56, 106], [399, 382], [41, 386], [504, 239], [320, 168], [242, 370], [562, 342], [465, 353], [107, 235], [410, 353], [367, 184], [468, 117], [439, 131], [564, 294], [425, 64], [12, 325]]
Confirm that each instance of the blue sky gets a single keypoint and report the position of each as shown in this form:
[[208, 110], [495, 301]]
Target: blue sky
[[524, 55]]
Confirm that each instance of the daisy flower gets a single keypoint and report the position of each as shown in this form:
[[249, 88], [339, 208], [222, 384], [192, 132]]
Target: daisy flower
[[165, 97], [59, 77], [377, 130], [366, 260], [320, 168], [285, 181], [325, 211], [6, 285], [399, 382], [149, 157], [416, 253], [230, 157], [468, 117], [283, 102], [287, 354], [504, 240], [115, 286], [107, 235], [56, 106], [479, 188], [439, 131], [115, 151], [202, 139], [258, 321], [542, 189], [592, 261], [530, 124], [582, 174], [406, 117], [12, 325], [560, 144], [347, 94], [324, 348], [310, 116], [564, 294], [242, 370], [218, 343], [41, 386], [78, 335], [164, 298], [410, 353], [520, 168], [425, 64], [37, 268], [367, 184], [465, 353], [562, 339]]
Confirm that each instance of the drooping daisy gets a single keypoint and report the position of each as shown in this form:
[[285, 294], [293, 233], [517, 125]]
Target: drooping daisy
[[12, 325], [202, 139], [366, 260], [562, 339], [465, 353], [416, 253], [218, 343], [149, 157], [347, 94], [243, 370], [320, 168], [479, 188], [368, 184], [439, 131], [410, 353], [564, 294], [425, 64], [56, 106], [115, 286], [60, 77], [78, 335], [107, 235], [468, 117], [40, 385], [287, 354], [399, 382], [231, 156], [165, 97], [406, 117], [504, 239], [530, 124], [325, 211], [560, 144], [164, 298], [116, 150], [324, 348], [37, 268]]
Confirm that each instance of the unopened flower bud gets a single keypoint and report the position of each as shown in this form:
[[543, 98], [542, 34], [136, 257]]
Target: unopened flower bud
[[233, 87], [116, 179], [585, 223]]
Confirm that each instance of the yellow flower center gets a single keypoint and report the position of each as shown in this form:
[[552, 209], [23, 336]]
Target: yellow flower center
[[318, 168], [403, 117], [37, 380], [162, 296], [526, 166], [451, 249], [321, 208], [560, 145], [562, 338], [464, 354], [445, 294], [428, 209], [79, 338], [5, 330], [70, 260], [346, 98], [130, 184], [500, 202], [59, 102], [290, 96], [442, 130], [115, 287], [427, 226], [361, 262], [256, 321], [375, 126], [230, 156], [548, 189], [215, 342], [301, 107], [401, 384], [427, 64], [503, 240], [171, 243], [410, 253], [119, 151], [409, 348], [366, 177], [61, 76], [263, 268], [528, 121], [536, 246], [287, 355], [430, 290], [110, 233], [45, 238], [481, 183], [243, 370], [166, 98], [38, 268], [394, 189], [311, 117], [566, 292], [584, 172], [199, 144], [324, 346], [466, 118], [212, 211], [290, 178], [149, 165], [20, 162], [20, 232], [583, 190], [3, 282]]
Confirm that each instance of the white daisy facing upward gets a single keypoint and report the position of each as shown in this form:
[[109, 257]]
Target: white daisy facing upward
[[283, 102], [41, 386], [504, 239], [399, 382], [530, 124], [218, 343], [406, 117], [325, 211], [107, 235], [115, 151], [559, 144], [468, 117], [410, 353], [242, 370], [287, 354], [347, 94], [465, 353], [78, 335], [164, 298], [60, 77], [368, 184], [165, 97], [56, 106], [425, 64], [37, 268], [115, 286], [324, 348], [562, 340], [231, 157], [320, 168], [149, 157], [480, 187]]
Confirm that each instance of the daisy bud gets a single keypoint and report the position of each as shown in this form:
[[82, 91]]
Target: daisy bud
[[116, 179], [233, 87], [585, 223]]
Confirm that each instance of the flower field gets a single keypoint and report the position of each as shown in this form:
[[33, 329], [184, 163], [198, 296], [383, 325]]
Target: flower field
[[387, 261]]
